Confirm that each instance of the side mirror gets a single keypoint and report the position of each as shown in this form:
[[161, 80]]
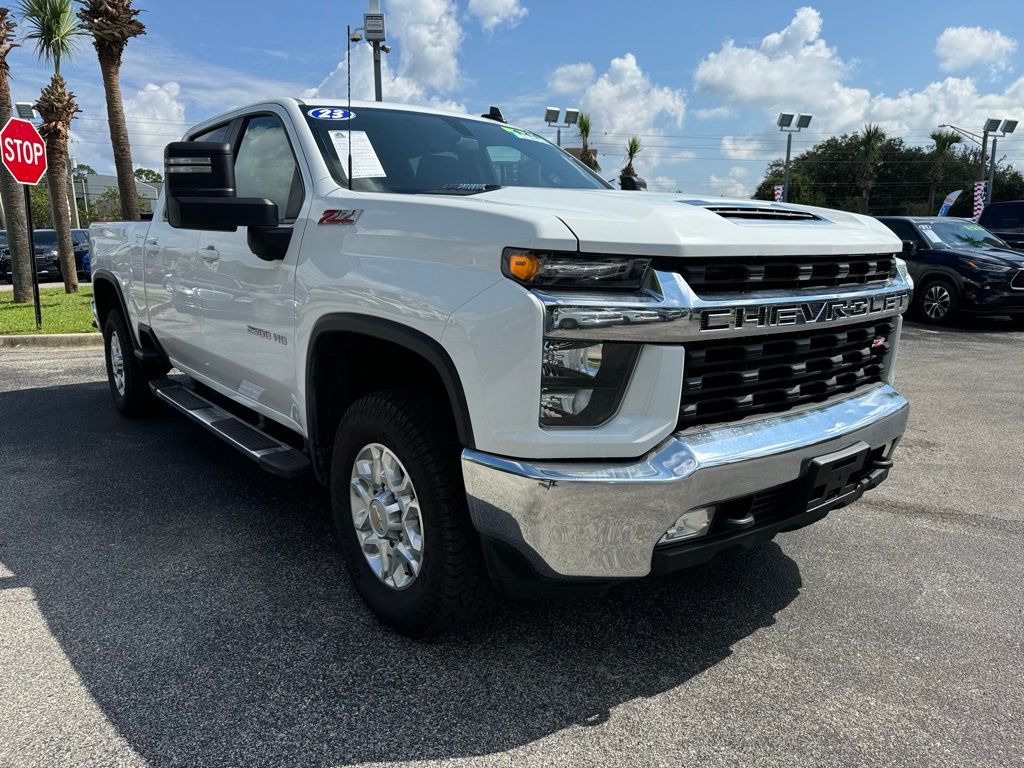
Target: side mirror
[[909, 248], [200, 190], [634, 183]]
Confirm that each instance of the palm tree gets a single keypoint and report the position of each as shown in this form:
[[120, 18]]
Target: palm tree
[[10, 191], [588, 156], [633, 147], [944, 143], [870, 143], [112, 24], [53, 26]]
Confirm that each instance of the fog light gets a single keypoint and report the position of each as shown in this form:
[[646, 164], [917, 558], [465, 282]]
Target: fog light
[[690, 525]]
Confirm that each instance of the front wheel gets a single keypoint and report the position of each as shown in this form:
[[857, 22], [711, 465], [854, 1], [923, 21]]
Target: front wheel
[[938, 301], [400, 514]]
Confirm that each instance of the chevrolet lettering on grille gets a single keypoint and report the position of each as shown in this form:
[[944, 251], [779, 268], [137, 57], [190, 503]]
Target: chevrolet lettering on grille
[[802, 313]]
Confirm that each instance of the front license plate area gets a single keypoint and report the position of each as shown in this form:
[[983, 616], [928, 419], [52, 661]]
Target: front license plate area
[[833, 477]]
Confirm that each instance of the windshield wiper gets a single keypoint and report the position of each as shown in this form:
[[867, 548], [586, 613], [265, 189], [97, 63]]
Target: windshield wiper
[[461, 189]]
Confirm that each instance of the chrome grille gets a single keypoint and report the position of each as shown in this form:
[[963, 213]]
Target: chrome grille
[[708, 277], [728, 380]]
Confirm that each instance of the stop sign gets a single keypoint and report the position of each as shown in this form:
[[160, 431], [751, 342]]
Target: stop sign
[[23, 151]]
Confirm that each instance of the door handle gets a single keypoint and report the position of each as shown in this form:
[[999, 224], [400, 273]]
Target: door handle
[[209, 253]]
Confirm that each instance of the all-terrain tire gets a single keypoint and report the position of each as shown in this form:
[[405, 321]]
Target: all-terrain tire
[[452, 586], [129, 384]]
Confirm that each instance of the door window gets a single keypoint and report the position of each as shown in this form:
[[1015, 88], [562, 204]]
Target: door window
[[265, 166]]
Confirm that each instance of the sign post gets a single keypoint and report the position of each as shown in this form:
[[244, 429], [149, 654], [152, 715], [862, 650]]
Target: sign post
[[23, 152]]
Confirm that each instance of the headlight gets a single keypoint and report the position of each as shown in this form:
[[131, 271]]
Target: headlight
[[549, 269], [901, 267], [582, 384], [988, 267]]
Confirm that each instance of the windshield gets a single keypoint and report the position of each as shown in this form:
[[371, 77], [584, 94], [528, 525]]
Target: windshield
[[44, 237], [958, 233], [412, 152]]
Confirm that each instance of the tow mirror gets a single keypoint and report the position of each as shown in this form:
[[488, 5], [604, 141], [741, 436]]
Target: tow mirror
[[633, 183], [200, 181], [909, 248]]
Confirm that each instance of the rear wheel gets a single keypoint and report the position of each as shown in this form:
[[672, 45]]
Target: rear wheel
[[938, 301], [400, 514], [129, 385]]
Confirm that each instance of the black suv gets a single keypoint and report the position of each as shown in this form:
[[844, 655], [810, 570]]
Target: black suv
[[1006, 220], [47, 263], [959, 266]]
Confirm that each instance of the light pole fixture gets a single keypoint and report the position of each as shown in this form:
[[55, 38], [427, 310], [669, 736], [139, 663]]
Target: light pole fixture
[[790, 123], [551, 115], [373, 31], [25, 110], [995, 128]]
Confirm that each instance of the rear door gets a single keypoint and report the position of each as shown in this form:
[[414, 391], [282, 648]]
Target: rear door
[[247, 303]]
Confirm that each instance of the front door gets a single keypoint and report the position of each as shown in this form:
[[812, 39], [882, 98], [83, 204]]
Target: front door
[[247, 303]]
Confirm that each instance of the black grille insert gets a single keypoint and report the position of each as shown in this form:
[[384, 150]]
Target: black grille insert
[[752, 213], [1018, 281], [783, 273], [728, 380]]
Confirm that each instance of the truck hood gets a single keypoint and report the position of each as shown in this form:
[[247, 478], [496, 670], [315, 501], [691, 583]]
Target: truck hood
[[654, 224]]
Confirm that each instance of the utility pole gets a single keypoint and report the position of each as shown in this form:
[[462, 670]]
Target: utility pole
[[790, 123], [785, 178], [992, 169]]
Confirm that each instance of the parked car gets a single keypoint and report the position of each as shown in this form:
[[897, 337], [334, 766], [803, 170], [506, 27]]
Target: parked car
[[83, 262], [471, 362], [959, 267], [47, 258], [1006, 221], [5, 258]]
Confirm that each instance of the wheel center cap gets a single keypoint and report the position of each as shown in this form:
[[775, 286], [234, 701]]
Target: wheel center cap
[[378, 517]]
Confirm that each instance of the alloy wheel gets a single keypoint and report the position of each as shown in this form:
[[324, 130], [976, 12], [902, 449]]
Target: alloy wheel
[[937, 301], [117, 363], [386, 516]]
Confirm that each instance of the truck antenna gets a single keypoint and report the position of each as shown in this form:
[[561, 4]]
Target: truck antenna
[[348, 66]]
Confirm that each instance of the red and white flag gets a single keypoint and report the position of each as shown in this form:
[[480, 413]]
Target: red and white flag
[[980, 197]]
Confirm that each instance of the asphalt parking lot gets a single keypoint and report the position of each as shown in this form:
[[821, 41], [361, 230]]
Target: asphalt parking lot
[[163, 602]]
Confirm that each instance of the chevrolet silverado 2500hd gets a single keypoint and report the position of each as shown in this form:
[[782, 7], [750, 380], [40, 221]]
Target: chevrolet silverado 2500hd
[[509, 374]]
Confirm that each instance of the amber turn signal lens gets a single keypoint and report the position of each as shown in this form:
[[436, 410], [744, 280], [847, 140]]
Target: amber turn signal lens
[[523, 266]]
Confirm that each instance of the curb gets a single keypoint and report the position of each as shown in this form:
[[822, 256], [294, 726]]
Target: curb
[[43, 340]]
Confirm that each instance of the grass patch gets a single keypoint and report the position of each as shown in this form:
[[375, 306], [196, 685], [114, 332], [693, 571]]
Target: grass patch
[[62, 312]]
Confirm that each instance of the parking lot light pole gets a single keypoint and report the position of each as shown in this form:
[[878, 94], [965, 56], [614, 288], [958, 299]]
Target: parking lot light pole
[[551, 115], [790, 123], [1006, 127]]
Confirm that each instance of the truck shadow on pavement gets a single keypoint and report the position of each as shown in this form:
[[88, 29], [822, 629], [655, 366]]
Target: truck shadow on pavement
[[204, 607]]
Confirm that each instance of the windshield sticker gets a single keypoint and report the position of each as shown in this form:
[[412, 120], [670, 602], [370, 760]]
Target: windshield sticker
[[930, 234], [519, 133], [331, 113], [974, 228], [365, 163]]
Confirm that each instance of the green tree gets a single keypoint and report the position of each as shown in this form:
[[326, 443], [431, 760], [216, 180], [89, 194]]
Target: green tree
[[588, 155], [82, 170], [42, 216], [112, 24], [944, 143], [871, 143], [53, 27], [11, 193], [148, 175], [633, 148]]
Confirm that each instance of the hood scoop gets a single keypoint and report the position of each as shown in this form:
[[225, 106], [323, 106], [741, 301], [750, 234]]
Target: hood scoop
[[753, 212]]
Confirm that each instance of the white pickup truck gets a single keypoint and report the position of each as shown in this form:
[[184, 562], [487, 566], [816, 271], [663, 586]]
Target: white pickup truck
[[509, 374]]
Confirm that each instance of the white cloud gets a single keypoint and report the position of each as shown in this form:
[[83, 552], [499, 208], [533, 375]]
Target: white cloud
[[960, 48], [742, 147], [624, 101], [736, 183], [796, 69], [714, 113], [662, 184], [572, 78], [427, 37], [494, 13], [155, 118]]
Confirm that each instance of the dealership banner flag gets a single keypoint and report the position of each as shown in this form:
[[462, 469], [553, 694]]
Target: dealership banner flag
[[980, 196], [778, 192], [948, 202]]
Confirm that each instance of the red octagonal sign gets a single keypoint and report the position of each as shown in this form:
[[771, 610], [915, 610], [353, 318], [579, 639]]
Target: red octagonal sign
[[23, 151]]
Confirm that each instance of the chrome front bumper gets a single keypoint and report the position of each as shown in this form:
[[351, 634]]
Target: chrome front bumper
[[603, 519]]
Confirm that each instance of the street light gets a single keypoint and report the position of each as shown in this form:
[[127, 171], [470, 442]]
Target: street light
[[25, 110], [551, 115], [790, 123], [373, 30], [997, 128]]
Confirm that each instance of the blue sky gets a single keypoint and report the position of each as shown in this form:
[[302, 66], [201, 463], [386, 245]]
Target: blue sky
[[699, 82]]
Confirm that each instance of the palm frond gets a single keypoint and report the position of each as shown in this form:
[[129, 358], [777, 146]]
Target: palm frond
[[52, 25]]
